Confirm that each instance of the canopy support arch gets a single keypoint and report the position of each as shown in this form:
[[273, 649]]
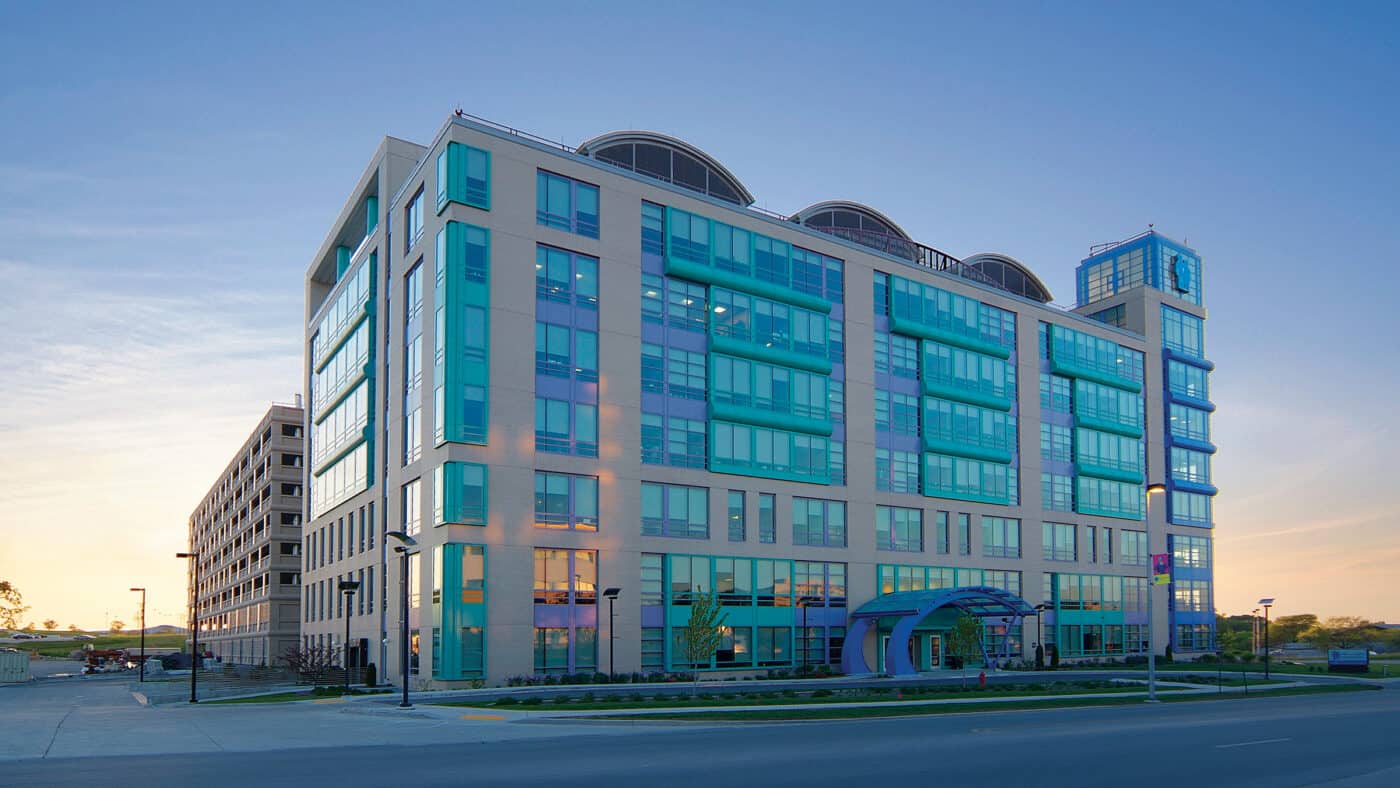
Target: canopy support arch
[[911, 608]]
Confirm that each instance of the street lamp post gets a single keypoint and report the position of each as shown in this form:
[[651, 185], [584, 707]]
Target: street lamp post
[[143, 632], [1254, 632], [1266, 604], [194, 627], [611, 595], [805, 602], [347, 587], [1151, 592], [1039, 631], [405, 542]]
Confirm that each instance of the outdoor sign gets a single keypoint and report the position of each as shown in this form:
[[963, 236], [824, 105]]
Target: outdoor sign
[[1161, 568], [1348, 660]]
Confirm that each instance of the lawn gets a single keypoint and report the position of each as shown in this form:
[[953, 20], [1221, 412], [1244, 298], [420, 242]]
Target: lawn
[[829, 713], [1205, 668], [127, 640], [791, 697], [275, 697]]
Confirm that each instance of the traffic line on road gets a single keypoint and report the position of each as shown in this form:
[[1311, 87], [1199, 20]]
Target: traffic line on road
[[483, 716], [1250, 743]]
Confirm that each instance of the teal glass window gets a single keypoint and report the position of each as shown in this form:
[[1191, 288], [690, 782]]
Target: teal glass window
[[735, 503], [1187, 380], [1188, 422], [1190, 466], [1108, 451], [1055, 393], [942, 536], [566, 204], [463, 176], [1107, 408], [1057, 492], [950, 315], [768, 324], [1132, 546], [773, 453], [1190, 508], [767, 518], [1190, 552], [563, 427], [966, 479], [816, 274], [897, 355], [413, 221], [1109, 498], [899, 529], [767, 387], [459, 493], [1058, 543], [969, 425], [1001, 537], [460, 346], [1183, 333], [1056, 443], [653, 299], [881, 293], [1085, 354], [818, 523], [675, 510], [897, 471], [836, 463], [896, 413], [566, 501], [565, 277], [566, 352], [951, 370]]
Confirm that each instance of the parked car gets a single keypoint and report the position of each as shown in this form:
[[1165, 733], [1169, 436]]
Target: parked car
[[85, 637], [25, 636]]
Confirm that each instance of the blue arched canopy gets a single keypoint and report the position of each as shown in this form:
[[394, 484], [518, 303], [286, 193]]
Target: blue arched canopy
[[912, 607]]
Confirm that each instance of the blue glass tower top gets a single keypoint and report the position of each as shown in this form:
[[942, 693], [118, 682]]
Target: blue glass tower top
[[1149, 259]]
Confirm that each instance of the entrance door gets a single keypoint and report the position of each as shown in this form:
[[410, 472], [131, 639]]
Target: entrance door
[[913, 651], [935, 651]]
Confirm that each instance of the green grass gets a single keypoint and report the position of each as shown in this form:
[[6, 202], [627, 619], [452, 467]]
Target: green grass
[[774, 698], [62, 648], [762, 715]]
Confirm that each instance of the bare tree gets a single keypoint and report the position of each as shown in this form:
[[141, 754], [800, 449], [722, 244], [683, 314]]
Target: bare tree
[[313, 662]]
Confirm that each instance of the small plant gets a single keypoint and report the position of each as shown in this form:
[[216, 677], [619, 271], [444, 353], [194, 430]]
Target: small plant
[[636, 697], [560, 700], [533, 700], [507, 701], [822, 693], [587, 697]]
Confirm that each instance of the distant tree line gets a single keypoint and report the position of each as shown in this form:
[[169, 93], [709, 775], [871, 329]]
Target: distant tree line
[[1235, 634]]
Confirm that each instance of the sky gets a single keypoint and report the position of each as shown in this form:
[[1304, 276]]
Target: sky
[[166, 176]]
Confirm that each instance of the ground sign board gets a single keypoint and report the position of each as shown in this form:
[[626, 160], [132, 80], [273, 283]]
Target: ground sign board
[[1348, 660]]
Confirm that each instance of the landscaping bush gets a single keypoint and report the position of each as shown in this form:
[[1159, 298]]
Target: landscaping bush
[[533, 700], [562, 699], [636, 697], [507, 701], [822, 693]]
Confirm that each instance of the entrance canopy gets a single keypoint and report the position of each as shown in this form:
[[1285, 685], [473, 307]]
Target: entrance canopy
[[912, 607]]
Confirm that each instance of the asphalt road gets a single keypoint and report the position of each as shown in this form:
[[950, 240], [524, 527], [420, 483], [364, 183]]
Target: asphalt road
[[1342, 741]]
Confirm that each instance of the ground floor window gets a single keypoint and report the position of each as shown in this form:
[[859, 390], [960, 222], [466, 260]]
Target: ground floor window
[[561, 650]]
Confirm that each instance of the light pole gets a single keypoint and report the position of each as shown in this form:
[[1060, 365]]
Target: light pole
[[1151, 592], [611, 595], [804, 602], [1254, 631], [143, 632], [1266, 604], [1039, 631], [405, 542], [194, 627], [347, 587]]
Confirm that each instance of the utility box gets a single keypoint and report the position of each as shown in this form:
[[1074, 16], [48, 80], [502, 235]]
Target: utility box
[[14, 666]]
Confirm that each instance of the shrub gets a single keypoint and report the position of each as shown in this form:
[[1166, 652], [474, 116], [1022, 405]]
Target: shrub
[[533, 700], [587, 697], [636, 697], [507, 701], [822, 693], [371, 675], [562, 699]]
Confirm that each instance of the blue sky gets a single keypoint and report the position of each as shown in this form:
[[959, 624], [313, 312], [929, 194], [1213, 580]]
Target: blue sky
[[165, 178]]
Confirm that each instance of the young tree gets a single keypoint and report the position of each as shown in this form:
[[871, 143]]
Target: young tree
[[1287, 629], [702, 632], [50, 625], [1341, 632], [117, 626], [965, 640], [11, 605], [74, 628]]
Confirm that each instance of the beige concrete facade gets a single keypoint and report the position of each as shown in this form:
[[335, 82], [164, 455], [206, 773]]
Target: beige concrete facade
[[510, 535], [247, 534]]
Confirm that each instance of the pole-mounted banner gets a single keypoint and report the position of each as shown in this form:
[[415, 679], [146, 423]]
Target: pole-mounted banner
[[1161, 569]]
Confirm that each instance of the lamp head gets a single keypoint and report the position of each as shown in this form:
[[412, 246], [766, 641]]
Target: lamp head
[[349, 585], [1267, 602], [1156, 488], [404, 538], [142, 590], [187, 555], [611, 593]]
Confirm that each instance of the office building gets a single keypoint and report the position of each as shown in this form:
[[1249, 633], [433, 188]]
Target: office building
[[247, 536], [849, 436]]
